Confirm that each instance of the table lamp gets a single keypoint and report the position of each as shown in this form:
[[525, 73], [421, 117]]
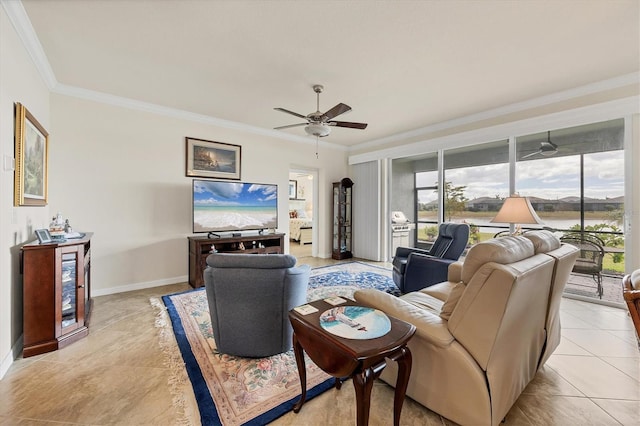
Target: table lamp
[[517, 210]]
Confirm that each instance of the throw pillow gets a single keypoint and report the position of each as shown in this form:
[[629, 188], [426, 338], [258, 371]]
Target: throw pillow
[[452, 300]]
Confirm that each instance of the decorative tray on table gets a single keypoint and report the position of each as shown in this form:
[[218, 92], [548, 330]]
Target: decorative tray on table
[[355, 322]]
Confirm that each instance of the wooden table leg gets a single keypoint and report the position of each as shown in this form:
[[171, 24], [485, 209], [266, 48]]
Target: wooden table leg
[[302, 372], [403, 358], [363, 383]]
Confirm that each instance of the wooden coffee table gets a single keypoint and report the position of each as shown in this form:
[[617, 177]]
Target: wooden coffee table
[[361, 360]]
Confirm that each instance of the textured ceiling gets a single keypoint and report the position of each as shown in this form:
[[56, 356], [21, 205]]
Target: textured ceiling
[[401, 65]]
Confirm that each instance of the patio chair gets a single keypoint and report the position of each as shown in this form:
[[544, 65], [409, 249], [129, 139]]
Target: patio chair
[[502, 234], [631, 295], [589, 260], [584, 236]]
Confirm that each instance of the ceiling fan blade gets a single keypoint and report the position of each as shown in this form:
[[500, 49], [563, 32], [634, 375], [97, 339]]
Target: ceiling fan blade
[[335, 111], [290, 125], [348, 124], [532, 154], [291, 112]]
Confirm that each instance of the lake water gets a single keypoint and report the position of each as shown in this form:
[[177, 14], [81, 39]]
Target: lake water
[[562, 224], [556, 223]]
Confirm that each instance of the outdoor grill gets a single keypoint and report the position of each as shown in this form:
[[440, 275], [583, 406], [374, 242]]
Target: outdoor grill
[[400, 229]]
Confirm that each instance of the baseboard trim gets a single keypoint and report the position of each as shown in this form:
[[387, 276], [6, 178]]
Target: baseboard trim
[[138, 286], [14, 353], [594, 300]]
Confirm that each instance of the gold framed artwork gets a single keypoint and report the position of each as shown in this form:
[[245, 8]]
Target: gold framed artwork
[[211, 159], [32, 156]]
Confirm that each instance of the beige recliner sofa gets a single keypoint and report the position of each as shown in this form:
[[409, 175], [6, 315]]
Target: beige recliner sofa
[[482, 335]]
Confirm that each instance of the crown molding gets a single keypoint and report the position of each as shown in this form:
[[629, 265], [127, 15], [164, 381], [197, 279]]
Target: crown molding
[[121, 102], [22, 24], [588, 89], [20, 20]]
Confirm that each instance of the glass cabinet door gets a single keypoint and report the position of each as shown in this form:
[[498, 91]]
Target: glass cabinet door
[[86, 285], [341, 246], [346, 238], [72, 298], [336, 218]]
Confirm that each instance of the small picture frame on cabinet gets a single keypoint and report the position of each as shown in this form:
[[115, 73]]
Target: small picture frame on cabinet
[[44, 237]]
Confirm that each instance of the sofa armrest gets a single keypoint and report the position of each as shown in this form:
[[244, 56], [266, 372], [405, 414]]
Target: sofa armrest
[[299, 270], [429, 326], [455, 272]]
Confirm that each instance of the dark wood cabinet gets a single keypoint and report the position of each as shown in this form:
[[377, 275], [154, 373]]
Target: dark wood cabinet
[[342, 226], [201, 247], [56, 293]]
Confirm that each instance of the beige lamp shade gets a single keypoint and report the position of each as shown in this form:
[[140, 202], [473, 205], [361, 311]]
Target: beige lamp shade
[[517, 210]]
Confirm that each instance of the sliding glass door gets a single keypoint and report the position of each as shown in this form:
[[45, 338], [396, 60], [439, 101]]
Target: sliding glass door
[[427, 208], [574, 178], [476, 181]]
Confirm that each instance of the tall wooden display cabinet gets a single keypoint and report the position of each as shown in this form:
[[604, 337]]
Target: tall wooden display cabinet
[[342, 226]]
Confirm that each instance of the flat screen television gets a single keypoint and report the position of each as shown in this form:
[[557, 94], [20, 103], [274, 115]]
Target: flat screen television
[[233, 206]]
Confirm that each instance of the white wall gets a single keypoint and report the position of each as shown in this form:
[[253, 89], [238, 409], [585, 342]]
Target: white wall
[[19, 82], [120, 173]]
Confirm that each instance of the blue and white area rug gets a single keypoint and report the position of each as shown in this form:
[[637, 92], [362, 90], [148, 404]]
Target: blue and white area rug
[[243, 391], [345, 278]]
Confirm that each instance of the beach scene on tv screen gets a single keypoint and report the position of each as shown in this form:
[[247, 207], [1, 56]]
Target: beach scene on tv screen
[[234, 206]]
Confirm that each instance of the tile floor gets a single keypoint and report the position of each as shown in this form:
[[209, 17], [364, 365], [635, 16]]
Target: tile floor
[[117, 375], [586, 287]]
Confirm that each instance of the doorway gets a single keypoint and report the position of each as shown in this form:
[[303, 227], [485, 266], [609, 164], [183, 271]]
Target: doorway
[[303, 212]]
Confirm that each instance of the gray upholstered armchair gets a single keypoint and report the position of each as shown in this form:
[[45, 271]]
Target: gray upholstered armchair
[[415, 269], [249, 298]]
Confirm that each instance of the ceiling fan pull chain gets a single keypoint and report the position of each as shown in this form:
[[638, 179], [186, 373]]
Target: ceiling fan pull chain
[[317, 137]]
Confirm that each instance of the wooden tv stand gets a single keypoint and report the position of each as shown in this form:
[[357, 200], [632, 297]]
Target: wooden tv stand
[[200, 248]]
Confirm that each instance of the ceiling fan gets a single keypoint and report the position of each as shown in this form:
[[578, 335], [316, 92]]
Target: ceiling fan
[[319, 124], [547, 148]]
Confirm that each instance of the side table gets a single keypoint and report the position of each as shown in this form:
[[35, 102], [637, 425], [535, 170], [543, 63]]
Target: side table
[[361, 360]]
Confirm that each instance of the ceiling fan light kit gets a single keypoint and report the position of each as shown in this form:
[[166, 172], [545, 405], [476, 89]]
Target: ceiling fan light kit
[[319, 124], [317, 129]]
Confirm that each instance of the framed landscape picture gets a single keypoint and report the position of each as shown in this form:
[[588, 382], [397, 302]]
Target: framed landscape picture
[[32, 151], [213, 159]]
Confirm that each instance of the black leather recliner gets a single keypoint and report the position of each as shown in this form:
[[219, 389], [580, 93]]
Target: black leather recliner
[[415, 269]]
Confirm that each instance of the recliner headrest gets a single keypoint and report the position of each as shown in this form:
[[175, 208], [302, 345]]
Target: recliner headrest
[[450, 229], [502, 250], [543, 241]]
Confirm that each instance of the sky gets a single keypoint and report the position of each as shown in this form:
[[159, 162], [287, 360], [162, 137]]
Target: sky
[[549, 177]]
